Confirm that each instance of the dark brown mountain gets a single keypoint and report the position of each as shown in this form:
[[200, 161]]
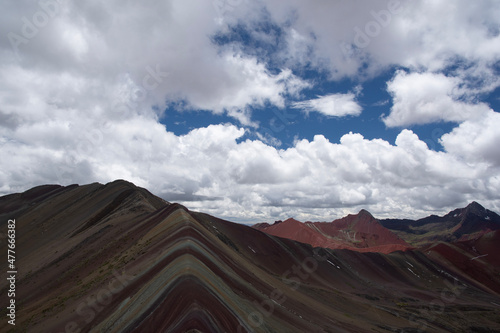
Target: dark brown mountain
[[460, 224], [115, 258]]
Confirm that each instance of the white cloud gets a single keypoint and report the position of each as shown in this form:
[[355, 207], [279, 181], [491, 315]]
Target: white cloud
[[333, 105], [82, 103], [423, 98], [349, 38], [207, 169], [105, 47], [315, 178], [476, 139], [252, 84]]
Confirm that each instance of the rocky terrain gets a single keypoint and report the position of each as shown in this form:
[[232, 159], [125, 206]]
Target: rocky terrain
[[360, 232], [460, 224], [115, 258]]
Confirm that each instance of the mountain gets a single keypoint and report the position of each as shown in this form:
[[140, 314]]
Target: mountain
[[460, 224], [360, 232], [115, 258], [476, 260]]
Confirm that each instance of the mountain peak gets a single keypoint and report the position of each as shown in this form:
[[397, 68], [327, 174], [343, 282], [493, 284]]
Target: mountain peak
[[288, 220], [125, 241], [364, 212], [121, 182], [475, 208], [475, 204]]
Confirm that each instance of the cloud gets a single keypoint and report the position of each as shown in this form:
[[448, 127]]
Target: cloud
[[249, 84], [333, 105], [349, 38], [212, 170], [82, 94], [476, 139], [102, 47], [423, 98]]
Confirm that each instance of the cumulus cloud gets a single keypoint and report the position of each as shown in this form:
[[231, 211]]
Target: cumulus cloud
[[476, 139], [81, 95], [211, 170], [253, 85], [423, 98], [350, 38], [333, 105], [102, 46]]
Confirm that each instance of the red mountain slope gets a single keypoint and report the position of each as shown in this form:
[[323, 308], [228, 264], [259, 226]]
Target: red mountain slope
[[477, 260], [360, 232], [115, 258]]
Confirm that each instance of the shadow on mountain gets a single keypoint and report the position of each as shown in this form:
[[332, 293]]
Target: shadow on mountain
[[115, 258]]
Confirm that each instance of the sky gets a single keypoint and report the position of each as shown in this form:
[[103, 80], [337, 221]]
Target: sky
[[257, 111]]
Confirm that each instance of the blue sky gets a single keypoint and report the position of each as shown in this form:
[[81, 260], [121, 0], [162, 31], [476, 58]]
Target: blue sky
[[257, 110], [289, 124]]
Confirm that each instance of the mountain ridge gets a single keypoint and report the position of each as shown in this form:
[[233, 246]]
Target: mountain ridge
[[139, 263], [358, 232], [470, 222], [459, 224]]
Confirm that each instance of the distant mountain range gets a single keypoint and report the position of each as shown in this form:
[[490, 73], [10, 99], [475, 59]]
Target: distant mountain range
[[116, 258], [362, 232], [460, 224]]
